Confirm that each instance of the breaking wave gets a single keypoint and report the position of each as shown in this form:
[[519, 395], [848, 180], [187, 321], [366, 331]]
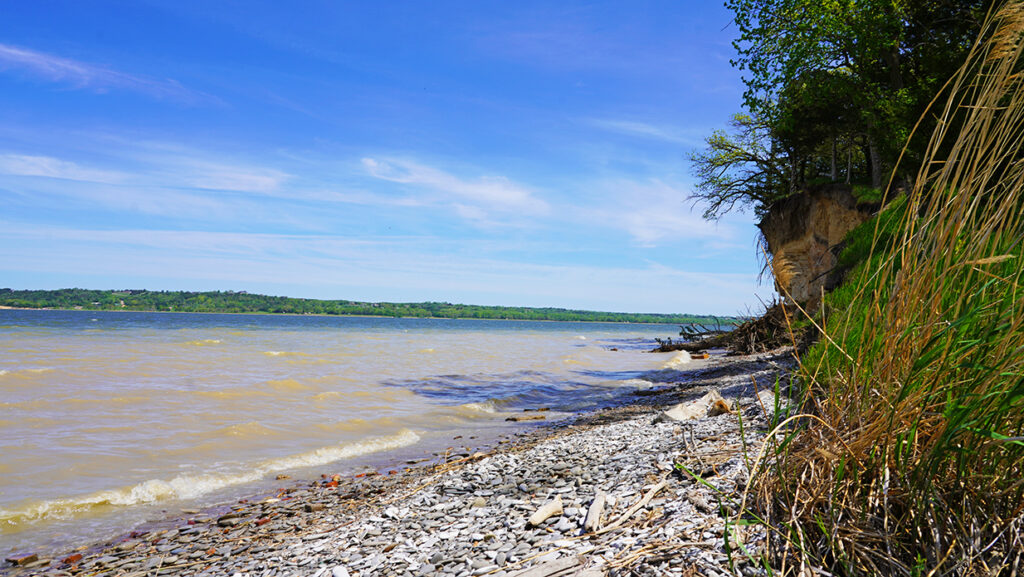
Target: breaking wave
[[193, 486]]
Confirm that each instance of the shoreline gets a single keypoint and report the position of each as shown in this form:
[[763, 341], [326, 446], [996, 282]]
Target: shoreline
[[310, 527], [85, 310]]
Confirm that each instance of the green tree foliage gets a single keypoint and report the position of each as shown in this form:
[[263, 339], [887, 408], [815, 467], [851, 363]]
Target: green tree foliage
[[243, 302], [836, 88]]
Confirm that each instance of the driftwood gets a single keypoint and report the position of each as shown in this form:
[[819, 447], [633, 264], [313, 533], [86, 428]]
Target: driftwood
[[549, 509], [632, 510], [526, 418], [592, 522]]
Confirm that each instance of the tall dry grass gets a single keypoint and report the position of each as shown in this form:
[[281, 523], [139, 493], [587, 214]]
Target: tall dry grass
[[914, 461]]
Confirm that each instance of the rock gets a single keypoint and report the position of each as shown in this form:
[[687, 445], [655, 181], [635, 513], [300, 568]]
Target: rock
[[23, 559], [702, 407], [339, 571], [479, 502]]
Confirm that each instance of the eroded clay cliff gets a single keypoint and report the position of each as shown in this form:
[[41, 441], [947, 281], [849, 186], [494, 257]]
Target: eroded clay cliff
[[804, 233]]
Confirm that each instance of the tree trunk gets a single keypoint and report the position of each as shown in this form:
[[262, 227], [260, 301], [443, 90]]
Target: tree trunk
[[849, 163], [876, 162], [892, 60], [835, 168]]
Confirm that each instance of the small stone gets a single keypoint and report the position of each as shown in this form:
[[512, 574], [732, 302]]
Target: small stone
[[22, 559], [106, 560], [339, 571], [479, 502]]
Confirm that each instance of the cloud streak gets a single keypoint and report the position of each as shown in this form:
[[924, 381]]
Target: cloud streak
[[99, 79], [478, 199], [649, 131], [49, 167], [652, 212]]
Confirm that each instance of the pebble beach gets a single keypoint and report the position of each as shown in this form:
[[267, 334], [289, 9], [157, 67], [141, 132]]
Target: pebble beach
[[611, 492]]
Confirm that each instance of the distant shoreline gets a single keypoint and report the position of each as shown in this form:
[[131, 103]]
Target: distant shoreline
[[253, 313], [231, 302]]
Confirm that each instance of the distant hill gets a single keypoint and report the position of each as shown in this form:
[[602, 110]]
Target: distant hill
[[243, 302]]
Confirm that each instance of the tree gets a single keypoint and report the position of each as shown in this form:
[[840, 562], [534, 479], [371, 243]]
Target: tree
[[889, 56], [744, 168]]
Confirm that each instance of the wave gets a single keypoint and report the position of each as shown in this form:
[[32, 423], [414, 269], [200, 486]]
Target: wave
[[193, 486], [392, 396], [286, 354], [203, 342], [231, 393], [241, 430], [636, 383], [681, 358], [288, 385], [357, 424], [119, 400], [484, 407], [23, 373]]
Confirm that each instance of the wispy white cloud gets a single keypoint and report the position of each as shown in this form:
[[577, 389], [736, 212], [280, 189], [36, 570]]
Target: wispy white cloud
[[49, 167], [212, 176], [646, 130], [474, 199], [652, 212], [82, 75]]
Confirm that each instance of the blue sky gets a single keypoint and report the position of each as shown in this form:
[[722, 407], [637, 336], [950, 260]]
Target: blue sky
[[513, 153]]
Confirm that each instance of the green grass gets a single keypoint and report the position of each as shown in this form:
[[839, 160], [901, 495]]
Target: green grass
[[868, 194], [909, 459]]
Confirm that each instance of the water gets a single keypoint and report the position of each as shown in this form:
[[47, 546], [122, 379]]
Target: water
[[110, 418]]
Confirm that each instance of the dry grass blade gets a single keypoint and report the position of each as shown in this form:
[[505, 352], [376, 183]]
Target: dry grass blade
[[921, 374]]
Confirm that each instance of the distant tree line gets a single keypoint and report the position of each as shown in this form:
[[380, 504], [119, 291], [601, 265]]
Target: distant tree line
[[243, 302]]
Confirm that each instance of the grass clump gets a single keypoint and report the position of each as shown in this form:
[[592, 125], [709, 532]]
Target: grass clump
[[912, 461]]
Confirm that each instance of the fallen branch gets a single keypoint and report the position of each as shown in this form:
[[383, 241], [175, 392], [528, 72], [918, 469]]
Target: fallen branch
[[549, 509], [592, 521], [632, 510]]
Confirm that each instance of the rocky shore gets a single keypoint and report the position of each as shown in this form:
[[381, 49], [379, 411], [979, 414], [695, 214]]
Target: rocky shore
[[609, 493]]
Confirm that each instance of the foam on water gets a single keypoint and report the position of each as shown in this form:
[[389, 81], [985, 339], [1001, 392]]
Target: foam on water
[[486, 407], [23, 373], [680, 359], [193, 486], [203, 342], [636, 383]]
